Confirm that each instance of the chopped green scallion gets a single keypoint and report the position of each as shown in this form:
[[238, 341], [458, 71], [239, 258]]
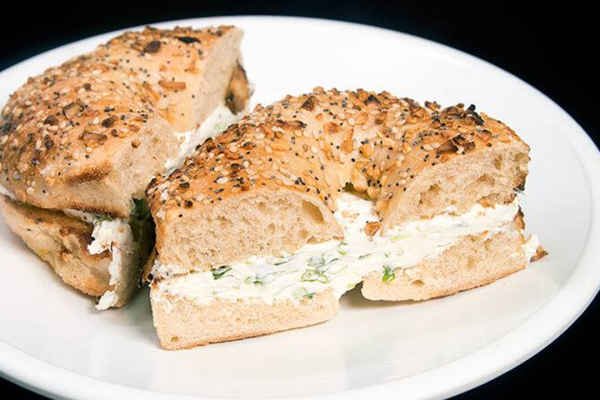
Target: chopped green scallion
[[312, 275], [221, 271], [388, 274]]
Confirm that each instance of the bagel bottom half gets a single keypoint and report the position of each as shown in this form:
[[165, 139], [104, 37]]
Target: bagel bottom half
[[182, 323], [472, 261], [64, 242], [61, 241]]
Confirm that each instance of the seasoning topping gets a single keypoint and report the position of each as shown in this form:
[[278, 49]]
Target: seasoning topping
[[108, 122], [188, 39], [152, 47]]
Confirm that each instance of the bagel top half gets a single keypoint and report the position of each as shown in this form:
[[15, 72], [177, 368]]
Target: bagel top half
[[89, 134], [269, 184]]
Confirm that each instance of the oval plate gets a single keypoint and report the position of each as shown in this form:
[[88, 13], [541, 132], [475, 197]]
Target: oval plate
[[53, 341]]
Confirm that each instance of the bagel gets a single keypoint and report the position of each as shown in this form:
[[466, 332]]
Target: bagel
[[303, 199], [80, 143]]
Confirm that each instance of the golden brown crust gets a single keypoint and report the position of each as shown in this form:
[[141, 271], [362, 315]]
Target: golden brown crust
[[90, 174], [55, 130], [62, 242], [540, 253], [238, 91], [68, 128]]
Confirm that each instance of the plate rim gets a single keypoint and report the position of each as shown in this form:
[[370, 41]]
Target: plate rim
[[494, 359]]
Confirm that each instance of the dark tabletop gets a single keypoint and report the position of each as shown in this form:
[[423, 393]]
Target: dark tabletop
[[551, 47]]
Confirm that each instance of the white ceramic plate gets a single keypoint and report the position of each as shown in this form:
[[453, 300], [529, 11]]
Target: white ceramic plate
[[53, 341]]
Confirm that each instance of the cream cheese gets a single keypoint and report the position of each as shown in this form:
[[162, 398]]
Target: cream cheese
[[214, 124], [338, 264], [116, 237], [530, 247], [107, 300]]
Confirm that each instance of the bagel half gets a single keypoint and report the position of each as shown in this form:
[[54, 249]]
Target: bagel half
[[80, 143], [264, 227]]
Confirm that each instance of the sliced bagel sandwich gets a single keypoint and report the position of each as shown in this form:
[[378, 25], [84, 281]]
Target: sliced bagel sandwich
[[264, 227], [80, 143]]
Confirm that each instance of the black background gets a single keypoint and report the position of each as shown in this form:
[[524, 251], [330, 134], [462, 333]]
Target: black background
[[551, 47]]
